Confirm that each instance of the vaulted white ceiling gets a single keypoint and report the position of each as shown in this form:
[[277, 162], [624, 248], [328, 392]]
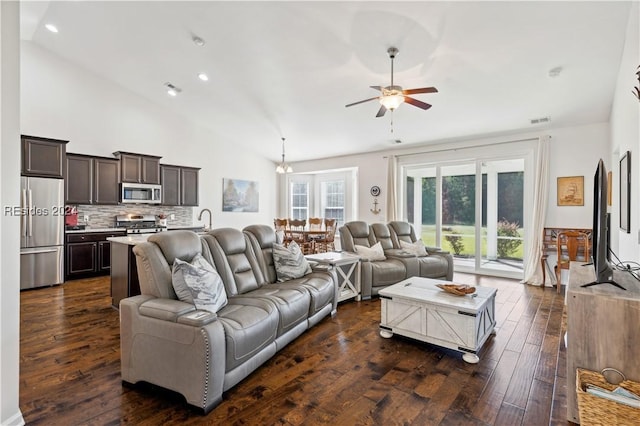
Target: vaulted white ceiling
[[289, 68]]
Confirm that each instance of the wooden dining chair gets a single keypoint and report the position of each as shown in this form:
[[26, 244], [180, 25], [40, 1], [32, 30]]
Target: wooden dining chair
[[571, 246], [315, 223], [296, 232], [326, 243], [280, 225]]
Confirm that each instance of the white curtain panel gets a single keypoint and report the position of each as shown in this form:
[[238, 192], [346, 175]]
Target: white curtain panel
[[532, 267], [392, 188]]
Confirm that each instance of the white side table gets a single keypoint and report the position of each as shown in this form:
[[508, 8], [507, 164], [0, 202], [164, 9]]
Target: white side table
[[346, 268]]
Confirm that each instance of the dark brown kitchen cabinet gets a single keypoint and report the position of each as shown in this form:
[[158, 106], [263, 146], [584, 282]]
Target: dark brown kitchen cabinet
[[138, 168], [106, 180], [104, 256], [78, 181], [189, 186], [43, 157], [179, 185], [88, 253], [91, 180], [170, 179]]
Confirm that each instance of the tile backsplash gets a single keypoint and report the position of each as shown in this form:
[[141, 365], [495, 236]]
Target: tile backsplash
[[105, 216]]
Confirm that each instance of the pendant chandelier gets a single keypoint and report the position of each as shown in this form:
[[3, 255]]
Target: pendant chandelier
[[283, 167]]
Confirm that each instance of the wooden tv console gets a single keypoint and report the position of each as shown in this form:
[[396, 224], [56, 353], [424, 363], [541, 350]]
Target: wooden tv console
[[603, 328]]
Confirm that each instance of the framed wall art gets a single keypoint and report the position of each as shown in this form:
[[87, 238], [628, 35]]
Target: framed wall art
[[240, 195], [625, 192], [571, 191]]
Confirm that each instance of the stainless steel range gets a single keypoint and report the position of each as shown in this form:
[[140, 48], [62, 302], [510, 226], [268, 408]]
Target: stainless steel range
[[139, 223]]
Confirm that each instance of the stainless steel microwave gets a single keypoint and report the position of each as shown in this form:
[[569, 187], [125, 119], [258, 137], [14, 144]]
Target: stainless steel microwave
[[140, 193]]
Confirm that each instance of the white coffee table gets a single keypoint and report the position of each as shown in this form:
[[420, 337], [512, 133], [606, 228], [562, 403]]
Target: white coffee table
[[418, 309]]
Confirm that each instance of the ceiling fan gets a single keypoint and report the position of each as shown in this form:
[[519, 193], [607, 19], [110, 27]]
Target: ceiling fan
[[392, 96]]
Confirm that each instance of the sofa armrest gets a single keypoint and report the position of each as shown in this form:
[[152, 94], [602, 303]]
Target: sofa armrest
[[436, 250], [197, 318], [165, 309], [398, 253], [319, 267]]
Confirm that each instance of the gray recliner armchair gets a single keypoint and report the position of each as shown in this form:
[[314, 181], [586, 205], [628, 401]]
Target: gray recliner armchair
[[374, 275], [439, 263]]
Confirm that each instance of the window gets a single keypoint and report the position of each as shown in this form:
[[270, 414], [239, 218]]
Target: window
[[332, 196], [299, 200], [326, 194]]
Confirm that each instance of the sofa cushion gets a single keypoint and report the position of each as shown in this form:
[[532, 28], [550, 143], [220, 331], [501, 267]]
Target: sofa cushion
[[416, 247], [198, 283], [372, 253], [289, 262]]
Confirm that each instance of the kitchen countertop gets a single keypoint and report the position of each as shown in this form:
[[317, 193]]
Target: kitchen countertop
[[176, 227], [86, 230], [131, 240]]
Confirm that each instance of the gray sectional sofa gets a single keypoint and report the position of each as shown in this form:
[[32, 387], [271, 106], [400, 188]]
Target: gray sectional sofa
[[398, 264], [169, 343]]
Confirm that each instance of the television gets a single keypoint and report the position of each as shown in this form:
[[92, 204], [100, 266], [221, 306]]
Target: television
[[600, 239]]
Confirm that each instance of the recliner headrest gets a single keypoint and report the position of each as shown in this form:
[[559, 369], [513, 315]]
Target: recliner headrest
[[182, 244], [231, 240]]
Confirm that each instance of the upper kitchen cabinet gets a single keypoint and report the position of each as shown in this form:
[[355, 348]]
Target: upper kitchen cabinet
[[92, 180], [106, 180], [138, 168], [78, 183], [179, 185], [189, 186], [43, 157]]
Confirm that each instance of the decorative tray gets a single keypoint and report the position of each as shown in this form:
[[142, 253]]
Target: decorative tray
[[457, 289]]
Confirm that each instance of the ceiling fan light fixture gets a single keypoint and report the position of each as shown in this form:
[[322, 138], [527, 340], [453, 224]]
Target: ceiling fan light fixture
[[392, 101], [283, 167]]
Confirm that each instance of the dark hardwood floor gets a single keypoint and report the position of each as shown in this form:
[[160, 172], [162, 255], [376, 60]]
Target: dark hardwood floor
[[340, 372]]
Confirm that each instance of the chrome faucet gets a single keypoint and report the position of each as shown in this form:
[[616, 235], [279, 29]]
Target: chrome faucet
[[200, 217]]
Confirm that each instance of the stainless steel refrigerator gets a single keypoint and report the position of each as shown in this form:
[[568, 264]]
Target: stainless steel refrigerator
[[41, 232]]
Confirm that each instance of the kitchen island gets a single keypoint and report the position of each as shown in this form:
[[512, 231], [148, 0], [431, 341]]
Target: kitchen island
[[124, 272]]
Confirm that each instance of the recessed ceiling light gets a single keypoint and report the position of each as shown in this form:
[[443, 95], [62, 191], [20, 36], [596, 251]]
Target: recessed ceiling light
[[554, 72], [172, 90], [198, 41], [51, 28], [202, 76]]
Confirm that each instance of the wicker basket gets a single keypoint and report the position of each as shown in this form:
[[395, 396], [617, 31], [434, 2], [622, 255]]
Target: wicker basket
[[595, 410]]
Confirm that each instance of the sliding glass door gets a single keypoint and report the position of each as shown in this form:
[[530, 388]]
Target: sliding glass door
[[473, 209]]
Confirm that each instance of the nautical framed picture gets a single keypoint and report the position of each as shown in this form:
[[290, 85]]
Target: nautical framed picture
[[571, 191]]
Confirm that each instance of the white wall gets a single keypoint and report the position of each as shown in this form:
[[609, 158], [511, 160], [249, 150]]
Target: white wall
[[574, 151], [625, 136], [98, 117], [9, 225]]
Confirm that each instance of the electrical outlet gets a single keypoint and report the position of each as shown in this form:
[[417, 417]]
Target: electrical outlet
[[86, 218], [172, 216]]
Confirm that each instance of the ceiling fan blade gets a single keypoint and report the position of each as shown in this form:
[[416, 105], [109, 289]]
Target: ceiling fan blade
[[360, 102], [417, 103], [381, 111], [378, 88], [421, 90]]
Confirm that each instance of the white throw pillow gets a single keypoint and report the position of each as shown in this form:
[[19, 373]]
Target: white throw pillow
[[416, 248], [289, 262], [198, 283], [375, 252]]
